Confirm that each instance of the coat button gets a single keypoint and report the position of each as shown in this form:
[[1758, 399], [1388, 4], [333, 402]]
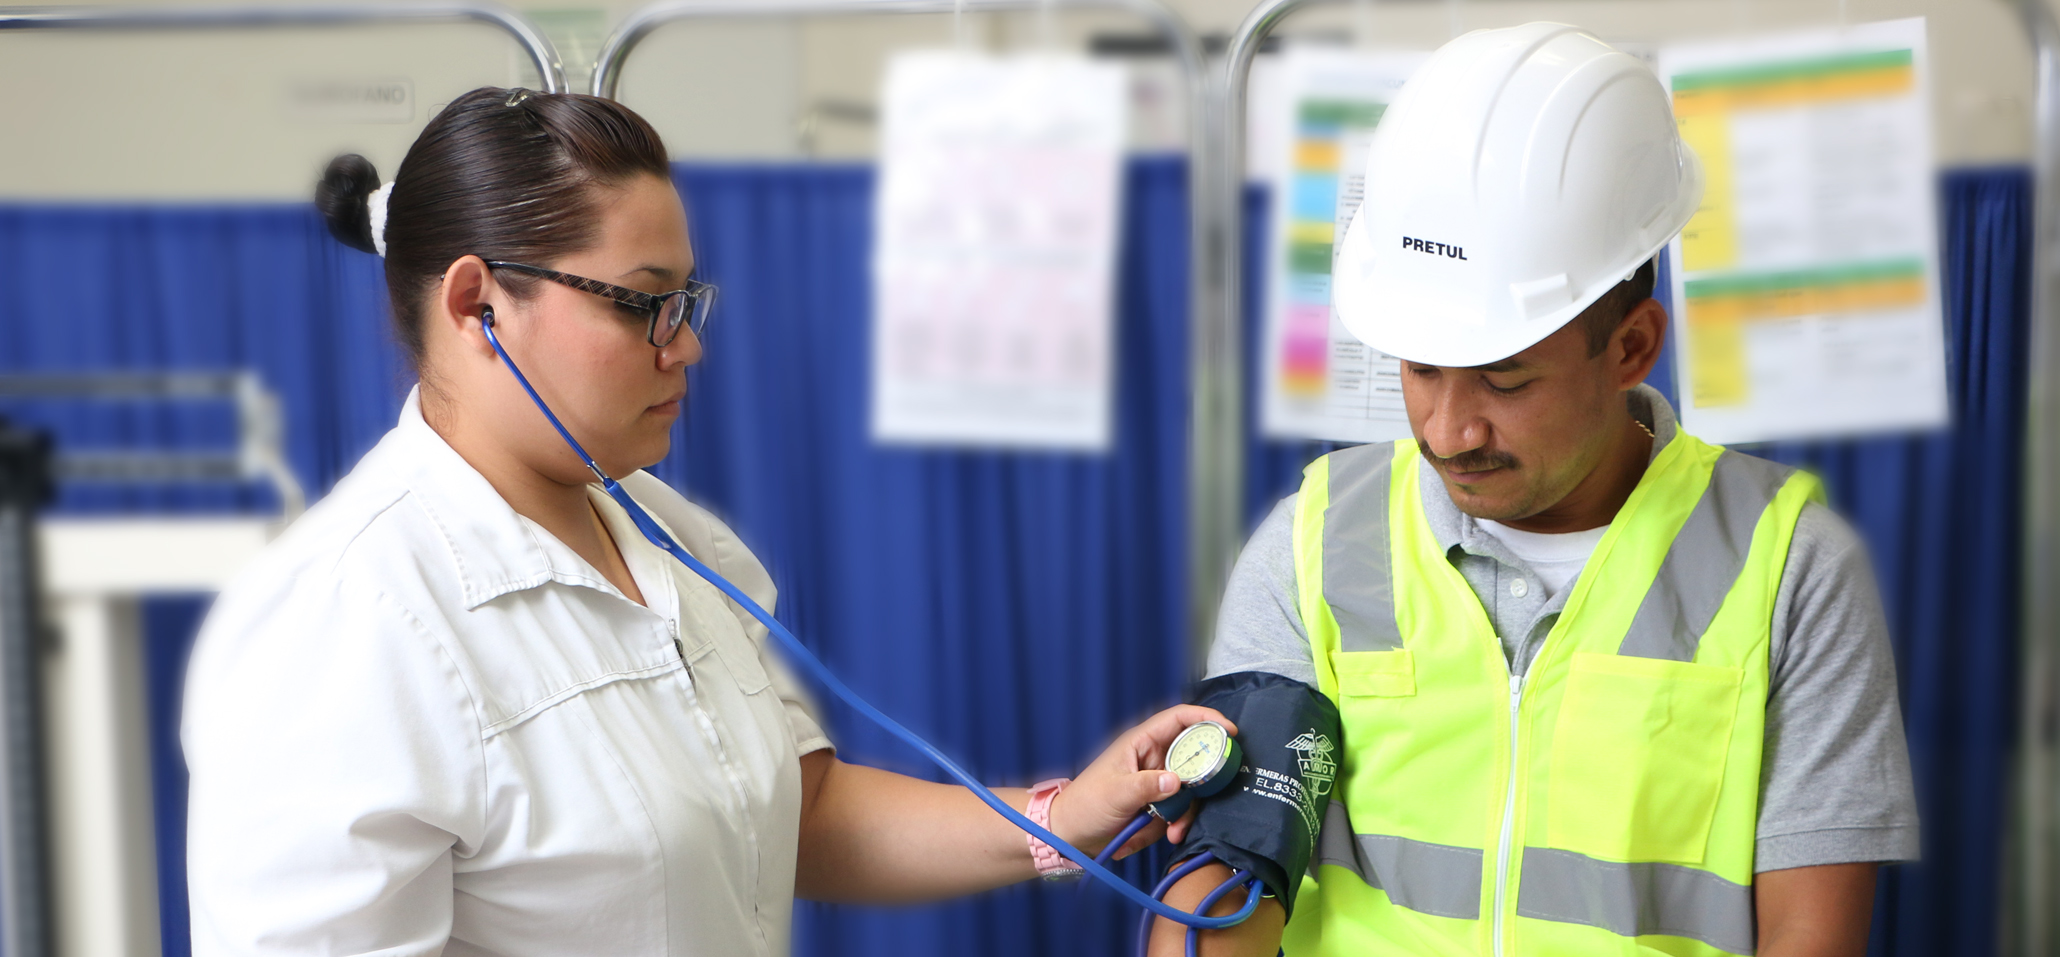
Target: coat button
[[1519, 588]]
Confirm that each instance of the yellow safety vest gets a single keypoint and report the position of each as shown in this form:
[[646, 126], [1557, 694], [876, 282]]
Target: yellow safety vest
[[1605, 802]]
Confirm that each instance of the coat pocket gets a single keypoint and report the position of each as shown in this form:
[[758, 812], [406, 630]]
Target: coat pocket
[[1638, 757], [1374, 674]]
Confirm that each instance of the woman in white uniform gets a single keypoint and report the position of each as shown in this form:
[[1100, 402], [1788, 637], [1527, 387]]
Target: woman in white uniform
[[462, 706]]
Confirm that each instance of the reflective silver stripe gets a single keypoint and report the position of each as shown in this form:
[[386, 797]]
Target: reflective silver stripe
[[1636, 899], [1434, 879], [1334, 844], [1356, 580], [1704, 560]]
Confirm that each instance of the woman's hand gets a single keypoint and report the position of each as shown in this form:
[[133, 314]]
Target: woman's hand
[[1111, 791]]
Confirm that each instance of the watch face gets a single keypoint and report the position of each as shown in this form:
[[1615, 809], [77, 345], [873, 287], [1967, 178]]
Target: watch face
[[1198, 753]]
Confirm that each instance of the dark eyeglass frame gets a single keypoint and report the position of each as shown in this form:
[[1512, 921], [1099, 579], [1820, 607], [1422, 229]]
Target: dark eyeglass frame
[[697, 301]]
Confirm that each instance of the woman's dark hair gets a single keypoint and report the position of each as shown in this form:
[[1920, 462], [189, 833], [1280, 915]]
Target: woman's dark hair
[[501, 174]]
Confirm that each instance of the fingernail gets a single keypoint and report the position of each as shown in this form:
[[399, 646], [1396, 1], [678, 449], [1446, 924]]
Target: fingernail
[[1168, 784]]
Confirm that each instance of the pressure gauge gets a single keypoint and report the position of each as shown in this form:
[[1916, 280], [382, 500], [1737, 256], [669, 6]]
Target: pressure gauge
[[1199, 752], [1205, 758]]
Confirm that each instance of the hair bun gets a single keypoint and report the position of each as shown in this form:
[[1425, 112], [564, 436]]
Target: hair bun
[[341, 196]]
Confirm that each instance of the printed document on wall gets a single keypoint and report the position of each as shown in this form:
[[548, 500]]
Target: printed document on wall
[[1807, 284], [994, 252], [1319, 381]]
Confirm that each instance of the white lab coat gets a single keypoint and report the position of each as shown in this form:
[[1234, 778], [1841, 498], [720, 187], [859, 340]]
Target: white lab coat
[[423, 725]]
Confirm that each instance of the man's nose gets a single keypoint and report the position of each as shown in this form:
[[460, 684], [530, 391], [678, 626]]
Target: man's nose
[[1455, 425]]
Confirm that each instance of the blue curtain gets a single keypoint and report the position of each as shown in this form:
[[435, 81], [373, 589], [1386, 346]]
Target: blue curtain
[[959, 590], [197, 288], [1016, 609], [1941, 516]]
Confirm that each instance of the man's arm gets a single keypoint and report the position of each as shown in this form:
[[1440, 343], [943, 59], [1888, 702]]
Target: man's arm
[[1259, 628], [1836, 794], [1258, 936], [1819, 911]]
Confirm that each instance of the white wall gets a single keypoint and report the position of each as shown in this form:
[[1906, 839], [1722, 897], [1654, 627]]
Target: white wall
[[214, 116]]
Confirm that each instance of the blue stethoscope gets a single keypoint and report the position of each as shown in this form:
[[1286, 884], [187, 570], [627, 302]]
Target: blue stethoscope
[[797, 652]]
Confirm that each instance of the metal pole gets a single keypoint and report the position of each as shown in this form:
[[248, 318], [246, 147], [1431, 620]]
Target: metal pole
[[1217, 436], [24, 824], [1219, 487], [241, 17], [2039, 752]]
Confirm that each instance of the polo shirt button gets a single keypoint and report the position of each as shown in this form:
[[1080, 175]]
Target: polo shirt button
[[1519, 588]]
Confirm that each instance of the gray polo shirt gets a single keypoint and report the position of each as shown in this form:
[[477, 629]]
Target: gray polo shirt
[[1835, 778]]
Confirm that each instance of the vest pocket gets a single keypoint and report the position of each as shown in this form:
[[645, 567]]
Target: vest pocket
[[1638, 757], [1378, 674]]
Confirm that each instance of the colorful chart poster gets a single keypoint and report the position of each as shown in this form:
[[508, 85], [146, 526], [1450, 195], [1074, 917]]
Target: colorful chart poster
[[1807, 283], [995, 250], [1320, 382]]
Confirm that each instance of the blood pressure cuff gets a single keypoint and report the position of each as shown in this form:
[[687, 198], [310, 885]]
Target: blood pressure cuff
[[1267, 820]]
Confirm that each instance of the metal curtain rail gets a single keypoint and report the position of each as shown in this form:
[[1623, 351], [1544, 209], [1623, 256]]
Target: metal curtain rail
[[2038, 765], [1215, 427], [239, 17]]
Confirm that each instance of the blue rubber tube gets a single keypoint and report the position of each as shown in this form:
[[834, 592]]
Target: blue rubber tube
[[1123, 836], [1256, 890], [1144, 920], [1109, 853], [799, 654]]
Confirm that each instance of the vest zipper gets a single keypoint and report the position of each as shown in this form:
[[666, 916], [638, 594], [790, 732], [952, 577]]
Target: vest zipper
[[1503, 850]]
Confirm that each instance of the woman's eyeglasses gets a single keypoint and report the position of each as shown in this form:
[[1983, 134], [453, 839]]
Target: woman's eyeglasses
[[667, 311]]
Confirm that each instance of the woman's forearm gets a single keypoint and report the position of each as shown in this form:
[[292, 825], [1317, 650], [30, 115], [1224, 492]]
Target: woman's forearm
[[880, 837], [872, 835]]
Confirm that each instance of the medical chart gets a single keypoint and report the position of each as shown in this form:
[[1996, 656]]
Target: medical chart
[[1807, 283], [994, 250], [1317, 118]]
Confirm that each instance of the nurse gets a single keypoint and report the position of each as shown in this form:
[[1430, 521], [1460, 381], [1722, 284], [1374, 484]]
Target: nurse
[[462, 706]]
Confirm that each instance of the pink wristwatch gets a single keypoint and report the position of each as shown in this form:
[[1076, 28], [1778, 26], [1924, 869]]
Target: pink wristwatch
[[1050, 864]]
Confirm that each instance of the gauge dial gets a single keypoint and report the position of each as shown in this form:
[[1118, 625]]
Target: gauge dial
[[1198, 753]]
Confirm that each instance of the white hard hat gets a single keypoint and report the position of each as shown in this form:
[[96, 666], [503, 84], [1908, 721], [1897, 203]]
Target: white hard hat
[[1518, 176]]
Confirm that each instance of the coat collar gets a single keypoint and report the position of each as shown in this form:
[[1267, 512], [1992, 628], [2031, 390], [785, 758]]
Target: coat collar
[[494, 550]]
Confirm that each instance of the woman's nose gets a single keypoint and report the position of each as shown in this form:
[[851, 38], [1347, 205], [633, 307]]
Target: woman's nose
[[683, 350]]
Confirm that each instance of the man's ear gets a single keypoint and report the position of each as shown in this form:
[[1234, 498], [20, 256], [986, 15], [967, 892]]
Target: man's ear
[[467, 293], [1634, 346]]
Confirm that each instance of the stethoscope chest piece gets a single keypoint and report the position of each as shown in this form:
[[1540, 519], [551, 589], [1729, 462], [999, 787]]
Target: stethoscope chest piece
[[1206, 758]]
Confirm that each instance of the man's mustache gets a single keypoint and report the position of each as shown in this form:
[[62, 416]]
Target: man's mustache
[[1474, 460]]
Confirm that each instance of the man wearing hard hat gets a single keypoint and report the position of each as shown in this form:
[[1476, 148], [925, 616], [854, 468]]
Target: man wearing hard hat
[[1604, 688]]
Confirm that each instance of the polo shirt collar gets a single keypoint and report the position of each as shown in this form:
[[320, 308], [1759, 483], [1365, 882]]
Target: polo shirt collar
[[1456, 529], [493, 549]]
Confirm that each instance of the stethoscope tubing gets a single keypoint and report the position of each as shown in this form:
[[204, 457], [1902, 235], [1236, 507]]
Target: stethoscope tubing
[[1144, 920], [800, 654], [1122, 837], [1254, 890]]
